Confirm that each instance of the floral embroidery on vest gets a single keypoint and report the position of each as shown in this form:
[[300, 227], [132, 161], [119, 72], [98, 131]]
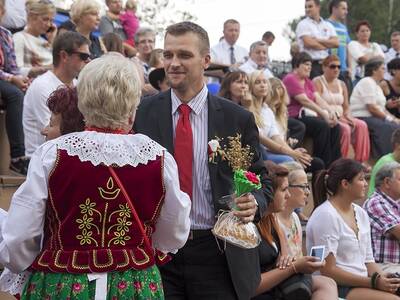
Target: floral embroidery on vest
[[116, 222]]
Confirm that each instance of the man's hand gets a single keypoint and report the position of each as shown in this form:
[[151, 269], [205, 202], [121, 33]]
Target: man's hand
[[246, 207]]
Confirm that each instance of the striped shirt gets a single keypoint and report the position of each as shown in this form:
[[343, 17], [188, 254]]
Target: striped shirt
[[384, 214], [202, 215]]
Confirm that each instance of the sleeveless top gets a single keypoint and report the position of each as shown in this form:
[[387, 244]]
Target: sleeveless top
[[89, 227], [392, 95], [334, 100]]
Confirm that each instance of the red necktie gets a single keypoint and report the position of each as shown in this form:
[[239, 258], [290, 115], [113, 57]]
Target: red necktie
[[184, 149]]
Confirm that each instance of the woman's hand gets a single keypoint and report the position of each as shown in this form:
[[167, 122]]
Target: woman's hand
[[384, 283], [308, 264], [284, 261], [302, 157], [21, 82]]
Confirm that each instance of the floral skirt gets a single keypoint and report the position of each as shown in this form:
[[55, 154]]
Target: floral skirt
[[138, 285]]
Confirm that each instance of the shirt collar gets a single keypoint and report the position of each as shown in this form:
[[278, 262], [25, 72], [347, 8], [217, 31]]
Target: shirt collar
[[386, 197], [226, 45], [316, 22], [253, 64], [197, 103]]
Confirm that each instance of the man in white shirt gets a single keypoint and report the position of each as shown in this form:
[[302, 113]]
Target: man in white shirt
[[227, 52], [70, 55], [393, 52], [15, 15], [316, 36], [258, 59]]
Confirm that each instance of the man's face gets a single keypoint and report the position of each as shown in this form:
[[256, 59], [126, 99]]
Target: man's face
[[146, 44], [114, 6], [231, 32], [77, 60], [269, 40], [260, 55], [184, 63], [395, 41], [394, 185], [341, 11], [312, 10]]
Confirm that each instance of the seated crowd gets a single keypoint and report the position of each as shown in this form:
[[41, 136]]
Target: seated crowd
[[338, 106]]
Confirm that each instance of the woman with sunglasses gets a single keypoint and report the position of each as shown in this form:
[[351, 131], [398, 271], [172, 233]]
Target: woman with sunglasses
[[335, 94], [343, 228], [33, 52]]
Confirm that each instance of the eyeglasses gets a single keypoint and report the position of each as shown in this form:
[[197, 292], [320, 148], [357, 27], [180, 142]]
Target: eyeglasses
[[83, 56], [304, 187], [334, 67]]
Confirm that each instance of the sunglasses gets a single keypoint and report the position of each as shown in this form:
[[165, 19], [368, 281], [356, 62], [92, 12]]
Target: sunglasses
[[334, 67], [302, 186], [82, 55]]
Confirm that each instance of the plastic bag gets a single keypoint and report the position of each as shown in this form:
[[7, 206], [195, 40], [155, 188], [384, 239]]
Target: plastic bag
[[232, 230]]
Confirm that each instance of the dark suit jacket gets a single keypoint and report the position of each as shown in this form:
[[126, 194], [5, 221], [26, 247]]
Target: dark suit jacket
[[225, 118]]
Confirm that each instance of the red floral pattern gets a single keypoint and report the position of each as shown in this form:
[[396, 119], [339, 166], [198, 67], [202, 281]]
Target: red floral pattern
[[253, 178]]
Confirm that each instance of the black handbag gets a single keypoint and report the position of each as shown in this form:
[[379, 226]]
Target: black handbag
[[296, 287]]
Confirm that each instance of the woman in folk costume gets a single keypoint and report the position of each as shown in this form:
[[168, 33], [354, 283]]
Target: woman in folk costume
[[96, 204]]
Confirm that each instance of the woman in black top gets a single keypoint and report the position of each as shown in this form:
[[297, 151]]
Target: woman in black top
[[276, 266], [391, 88]]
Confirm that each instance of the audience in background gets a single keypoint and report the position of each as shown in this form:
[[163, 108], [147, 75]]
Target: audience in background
[[258, 59], [321, 124], [393, 52], [268, 37], [33, 52], [14, 18], [110, 22], [334, 92], [384, 215], [85, 14], [70, 55], [12, 88], [391, 88], [227, 52], [130, 21], [362, 50], [235, 87], [156, 59], [390, 157], [343, 228], [315, 36], [368, 103], [158, 80], [113, 43]]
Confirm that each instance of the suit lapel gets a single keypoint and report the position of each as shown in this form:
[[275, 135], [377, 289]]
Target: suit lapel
[[164, 118], [215, 129]]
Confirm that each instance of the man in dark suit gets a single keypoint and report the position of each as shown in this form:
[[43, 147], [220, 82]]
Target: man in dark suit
[[184, 120]]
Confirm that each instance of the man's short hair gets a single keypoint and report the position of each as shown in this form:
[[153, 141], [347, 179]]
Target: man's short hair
[[256, 44], [317, 2], [267, 35], [386, 171], [334, 4], [395, 139], [68, 41], [394, 33], [190, 27], [231, 21], [141, 32]]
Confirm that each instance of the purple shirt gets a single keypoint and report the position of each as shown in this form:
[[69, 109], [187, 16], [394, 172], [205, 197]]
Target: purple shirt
[[384, 214], [294, 88]]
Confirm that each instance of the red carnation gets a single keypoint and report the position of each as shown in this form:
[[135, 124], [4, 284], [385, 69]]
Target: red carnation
[[252, 177]]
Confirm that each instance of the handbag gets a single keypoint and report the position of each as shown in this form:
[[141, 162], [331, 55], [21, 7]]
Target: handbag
[[296, 287], [306, 112]]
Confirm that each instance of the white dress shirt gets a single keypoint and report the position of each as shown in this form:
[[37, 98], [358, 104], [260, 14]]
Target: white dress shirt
[[389, 55], [326, 227], [221, 53], [36, 114], [22, 230], [202, 215], [15, 15], [250, 66], [312, 28]]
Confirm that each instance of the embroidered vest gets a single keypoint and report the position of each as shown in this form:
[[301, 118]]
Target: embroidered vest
[[89, 227]]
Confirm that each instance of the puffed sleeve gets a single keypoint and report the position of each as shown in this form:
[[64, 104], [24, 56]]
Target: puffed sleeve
[[22, 228], [324, 229], [173, 225]]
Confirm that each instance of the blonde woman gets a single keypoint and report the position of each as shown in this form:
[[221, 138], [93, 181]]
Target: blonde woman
[[32, 51], [85, 14]]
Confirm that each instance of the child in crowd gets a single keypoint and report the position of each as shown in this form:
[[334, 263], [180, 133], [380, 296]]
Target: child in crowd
[[130, 21]]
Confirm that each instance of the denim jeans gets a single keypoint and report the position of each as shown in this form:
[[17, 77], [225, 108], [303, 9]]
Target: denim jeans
[[13, 99]]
